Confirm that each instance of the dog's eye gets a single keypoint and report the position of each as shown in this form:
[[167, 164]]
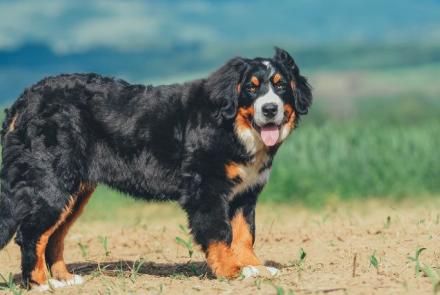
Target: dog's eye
[[252, 89], [279, 86]]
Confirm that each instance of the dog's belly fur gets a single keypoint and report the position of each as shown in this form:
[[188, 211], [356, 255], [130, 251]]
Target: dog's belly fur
[[141, 176]]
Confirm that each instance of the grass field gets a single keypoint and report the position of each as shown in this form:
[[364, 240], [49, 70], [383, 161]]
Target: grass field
[[355, 160]]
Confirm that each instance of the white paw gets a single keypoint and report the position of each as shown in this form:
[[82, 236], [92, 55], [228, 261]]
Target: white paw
[[55, 284], [249, 272], [259, 271], [76, 280], [41, 288], [273, 271]]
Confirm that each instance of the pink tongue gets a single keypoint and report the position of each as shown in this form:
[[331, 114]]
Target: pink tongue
[[270, 135]]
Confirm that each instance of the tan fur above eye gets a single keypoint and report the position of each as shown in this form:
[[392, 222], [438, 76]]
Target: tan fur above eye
[[276, 78], [255, 81]]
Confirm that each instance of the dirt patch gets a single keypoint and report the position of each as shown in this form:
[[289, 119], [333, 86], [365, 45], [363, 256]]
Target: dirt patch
[[137, 252]]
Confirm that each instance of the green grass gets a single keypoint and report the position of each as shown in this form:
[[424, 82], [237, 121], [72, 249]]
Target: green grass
[[104, 203], [357, 159]]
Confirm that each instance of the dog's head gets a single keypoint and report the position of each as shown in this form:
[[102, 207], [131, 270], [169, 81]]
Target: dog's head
[[263, 97]]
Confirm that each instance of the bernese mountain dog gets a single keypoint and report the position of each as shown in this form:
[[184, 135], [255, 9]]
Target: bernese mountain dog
[[207, 144]]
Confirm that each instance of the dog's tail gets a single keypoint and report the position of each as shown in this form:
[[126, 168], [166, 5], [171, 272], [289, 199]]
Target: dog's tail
[[9, 220], [6, 123], [13, 204], [11, 114]]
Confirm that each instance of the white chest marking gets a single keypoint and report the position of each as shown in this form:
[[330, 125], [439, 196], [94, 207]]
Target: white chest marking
[[250, 139], [250, 174]]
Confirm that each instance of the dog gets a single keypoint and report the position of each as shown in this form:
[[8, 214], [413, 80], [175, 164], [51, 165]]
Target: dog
[[207, 144]]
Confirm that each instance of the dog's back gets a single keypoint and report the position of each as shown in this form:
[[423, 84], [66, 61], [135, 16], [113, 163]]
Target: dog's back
[[70, 129]]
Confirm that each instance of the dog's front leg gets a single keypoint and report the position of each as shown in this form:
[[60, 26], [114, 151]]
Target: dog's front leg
[[209, 222], [211, 228], [242, 218]]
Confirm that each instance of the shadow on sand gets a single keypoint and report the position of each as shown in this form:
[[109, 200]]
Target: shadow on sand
[[127, 268]]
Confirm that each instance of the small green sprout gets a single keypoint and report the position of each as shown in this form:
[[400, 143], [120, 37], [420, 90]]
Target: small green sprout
[[374, 261], [187, 243], [104, 242], [416, 260], [10, 285], [387, 223], [433, 275], [301, 258], [135, 270], [84, 250]]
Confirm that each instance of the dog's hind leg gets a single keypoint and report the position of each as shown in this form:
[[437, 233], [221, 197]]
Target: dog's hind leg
[[39, 234], [55, 246], [35, 232]]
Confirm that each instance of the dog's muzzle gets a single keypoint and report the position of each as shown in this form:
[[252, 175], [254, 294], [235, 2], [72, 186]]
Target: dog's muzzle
[[269, 110], [268, 117]]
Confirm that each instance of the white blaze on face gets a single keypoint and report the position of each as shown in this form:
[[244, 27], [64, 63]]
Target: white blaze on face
[[268, 97], [270, 132], [269, 67]]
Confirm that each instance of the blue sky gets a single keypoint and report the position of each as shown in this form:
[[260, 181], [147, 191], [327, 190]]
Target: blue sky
[[160, 40], [73, 26]]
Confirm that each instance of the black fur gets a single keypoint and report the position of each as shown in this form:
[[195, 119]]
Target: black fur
[[154, 143], [302, 93]]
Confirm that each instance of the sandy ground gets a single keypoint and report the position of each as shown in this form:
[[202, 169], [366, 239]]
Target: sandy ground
[[143, 256]]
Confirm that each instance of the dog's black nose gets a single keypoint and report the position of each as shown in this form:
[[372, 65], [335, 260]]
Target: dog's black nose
[[270, 109]]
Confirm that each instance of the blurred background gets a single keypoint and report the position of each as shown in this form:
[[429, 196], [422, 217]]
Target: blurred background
[[373, 130]]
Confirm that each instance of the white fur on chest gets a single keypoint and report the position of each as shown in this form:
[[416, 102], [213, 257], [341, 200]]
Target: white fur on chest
[[250, 174]]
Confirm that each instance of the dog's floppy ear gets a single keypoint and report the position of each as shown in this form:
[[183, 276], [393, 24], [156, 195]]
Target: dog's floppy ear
[[301, 88], [224, 87]]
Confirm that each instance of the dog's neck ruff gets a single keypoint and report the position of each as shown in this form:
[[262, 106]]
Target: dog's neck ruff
[[250, 139], [256, 171]]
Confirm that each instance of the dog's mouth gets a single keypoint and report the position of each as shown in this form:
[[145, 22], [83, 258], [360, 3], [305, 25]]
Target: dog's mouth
[[270, 133]]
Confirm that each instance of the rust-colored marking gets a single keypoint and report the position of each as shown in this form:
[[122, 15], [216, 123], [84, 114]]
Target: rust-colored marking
[[293, 85], [222, 260], [232, 170], [227, 261], [11, 126], [290, 115], [242, 241], [39, 273], [255, 81], [244, 117], [55, 250], [276, 78], [55, 247]]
